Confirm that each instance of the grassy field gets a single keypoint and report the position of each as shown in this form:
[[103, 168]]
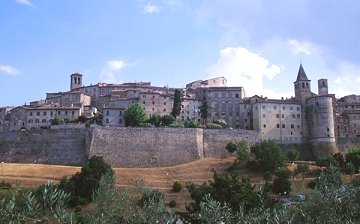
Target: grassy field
[[33, 175]]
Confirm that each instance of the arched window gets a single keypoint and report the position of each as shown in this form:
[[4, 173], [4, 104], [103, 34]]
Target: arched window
[[303, 85]]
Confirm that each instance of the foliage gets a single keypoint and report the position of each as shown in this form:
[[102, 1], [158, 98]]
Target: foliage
[[293, 155], [268, 176], [134, 115], [145, 125], [5, 185], [159, 121], [82, 184], [204, 110], [167, 120], [340, 159], [231, 147], [191, 123], [114, 205], [155, 120], [327, 162], [177, 124], [213, 126], [303, 169], [221, 122], [177, 186], [229, 189], [282, 184], [330, 178], [47, 204], [56, 121], [177, 104], [268, 155], [353, 156]]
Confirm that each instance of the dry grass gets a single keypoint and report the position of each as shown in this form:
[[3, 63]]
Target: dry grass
[[32, 175]]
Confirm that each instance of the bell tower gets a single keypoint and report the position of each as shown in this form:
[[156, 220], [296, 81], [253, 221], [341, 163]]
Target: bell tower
[[302, 86], [75, 81]]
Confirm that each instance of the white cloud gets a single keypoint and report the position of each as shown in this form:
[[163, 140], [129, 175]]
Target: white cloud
[[26, 2], [304, 47], [347, 79], [111, 69], [8, 70], [150, 8], [244, 68]]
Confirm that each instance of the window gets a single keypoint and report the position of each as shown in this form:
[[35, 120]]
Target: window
[[31, 114], [275, 107], [292, 126], [107, 120], [264, 115], [120, 121], [164, 103], [283, 126], [120, 112], [283, 107], [264, 125], [45, 113], [51, 113], [43, 121], [263, 107], [66, 112], [164, 109], [298, 116], [236, 95], [282, 115], [293, 115], [73, 112], [107, 113], [37, 121], [291, 108], [278, 125], [298, 108], [277, 115], [38, 113]]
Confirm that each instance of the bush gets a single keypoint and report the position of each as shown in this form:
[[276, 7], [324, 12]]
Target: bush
[[282, 184], [56, 121], [231, 147], [177, 124], [177, 186], [172, 204], [191, 123], [326, 162], [5, 185], [353, 156], [269, 155], [83, 184], [167, 120], [293, 155], [220, 122], [214, 126], [145, 125]]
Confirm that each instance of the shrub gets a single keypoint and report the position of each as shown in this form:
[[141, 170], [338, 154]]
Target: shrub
[[145, 125], [172, 204], [56, 121], [268, 176], [292, 155], [177, 124], [269, 155], [214, 126], [231, 147], [353, 156], [5, 185], [326, 162], [167, 120], [220, 122], [191, 123], [282, 184], [177, 186]]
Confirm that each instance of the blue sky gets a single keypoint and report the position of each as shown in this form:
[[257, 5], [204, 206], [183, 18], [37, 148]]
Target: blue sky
[[257, 44]]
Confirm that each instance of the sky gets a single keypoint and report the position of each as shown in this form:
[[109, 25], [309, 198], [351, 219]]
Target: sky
[[256, 44]]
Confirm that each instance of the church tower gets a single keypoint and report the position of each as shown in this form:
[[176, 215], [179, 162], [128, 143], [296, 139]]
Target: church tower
[[75, 81], [302, 86]]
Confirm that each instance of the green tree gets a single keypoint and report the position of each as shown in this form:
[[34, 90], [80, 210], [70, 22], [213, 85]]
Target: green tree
[[269, 155], [353, 156], [56, 121], [267, 176], [177, 103], [229, 189], [82, 184], [292, 155], [155, 120], [204, 111], [303, 169], [191, 123], [134, 115], [231, 147], [167, 120], [282, 184]]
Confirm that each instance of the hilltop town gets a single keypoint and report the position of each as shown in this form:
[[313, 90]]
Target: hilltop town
[[319, 119]]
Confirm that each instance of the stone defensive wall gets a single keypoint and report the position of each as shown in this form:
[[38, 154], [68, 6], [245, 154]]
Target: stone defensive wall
[[120, 147], [159, 147], [63, 146]]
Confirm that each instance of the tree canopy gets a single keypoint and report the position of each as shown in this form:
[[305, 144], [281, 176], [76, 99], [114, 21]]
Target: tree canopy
[[177, 104], [134, 115]]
